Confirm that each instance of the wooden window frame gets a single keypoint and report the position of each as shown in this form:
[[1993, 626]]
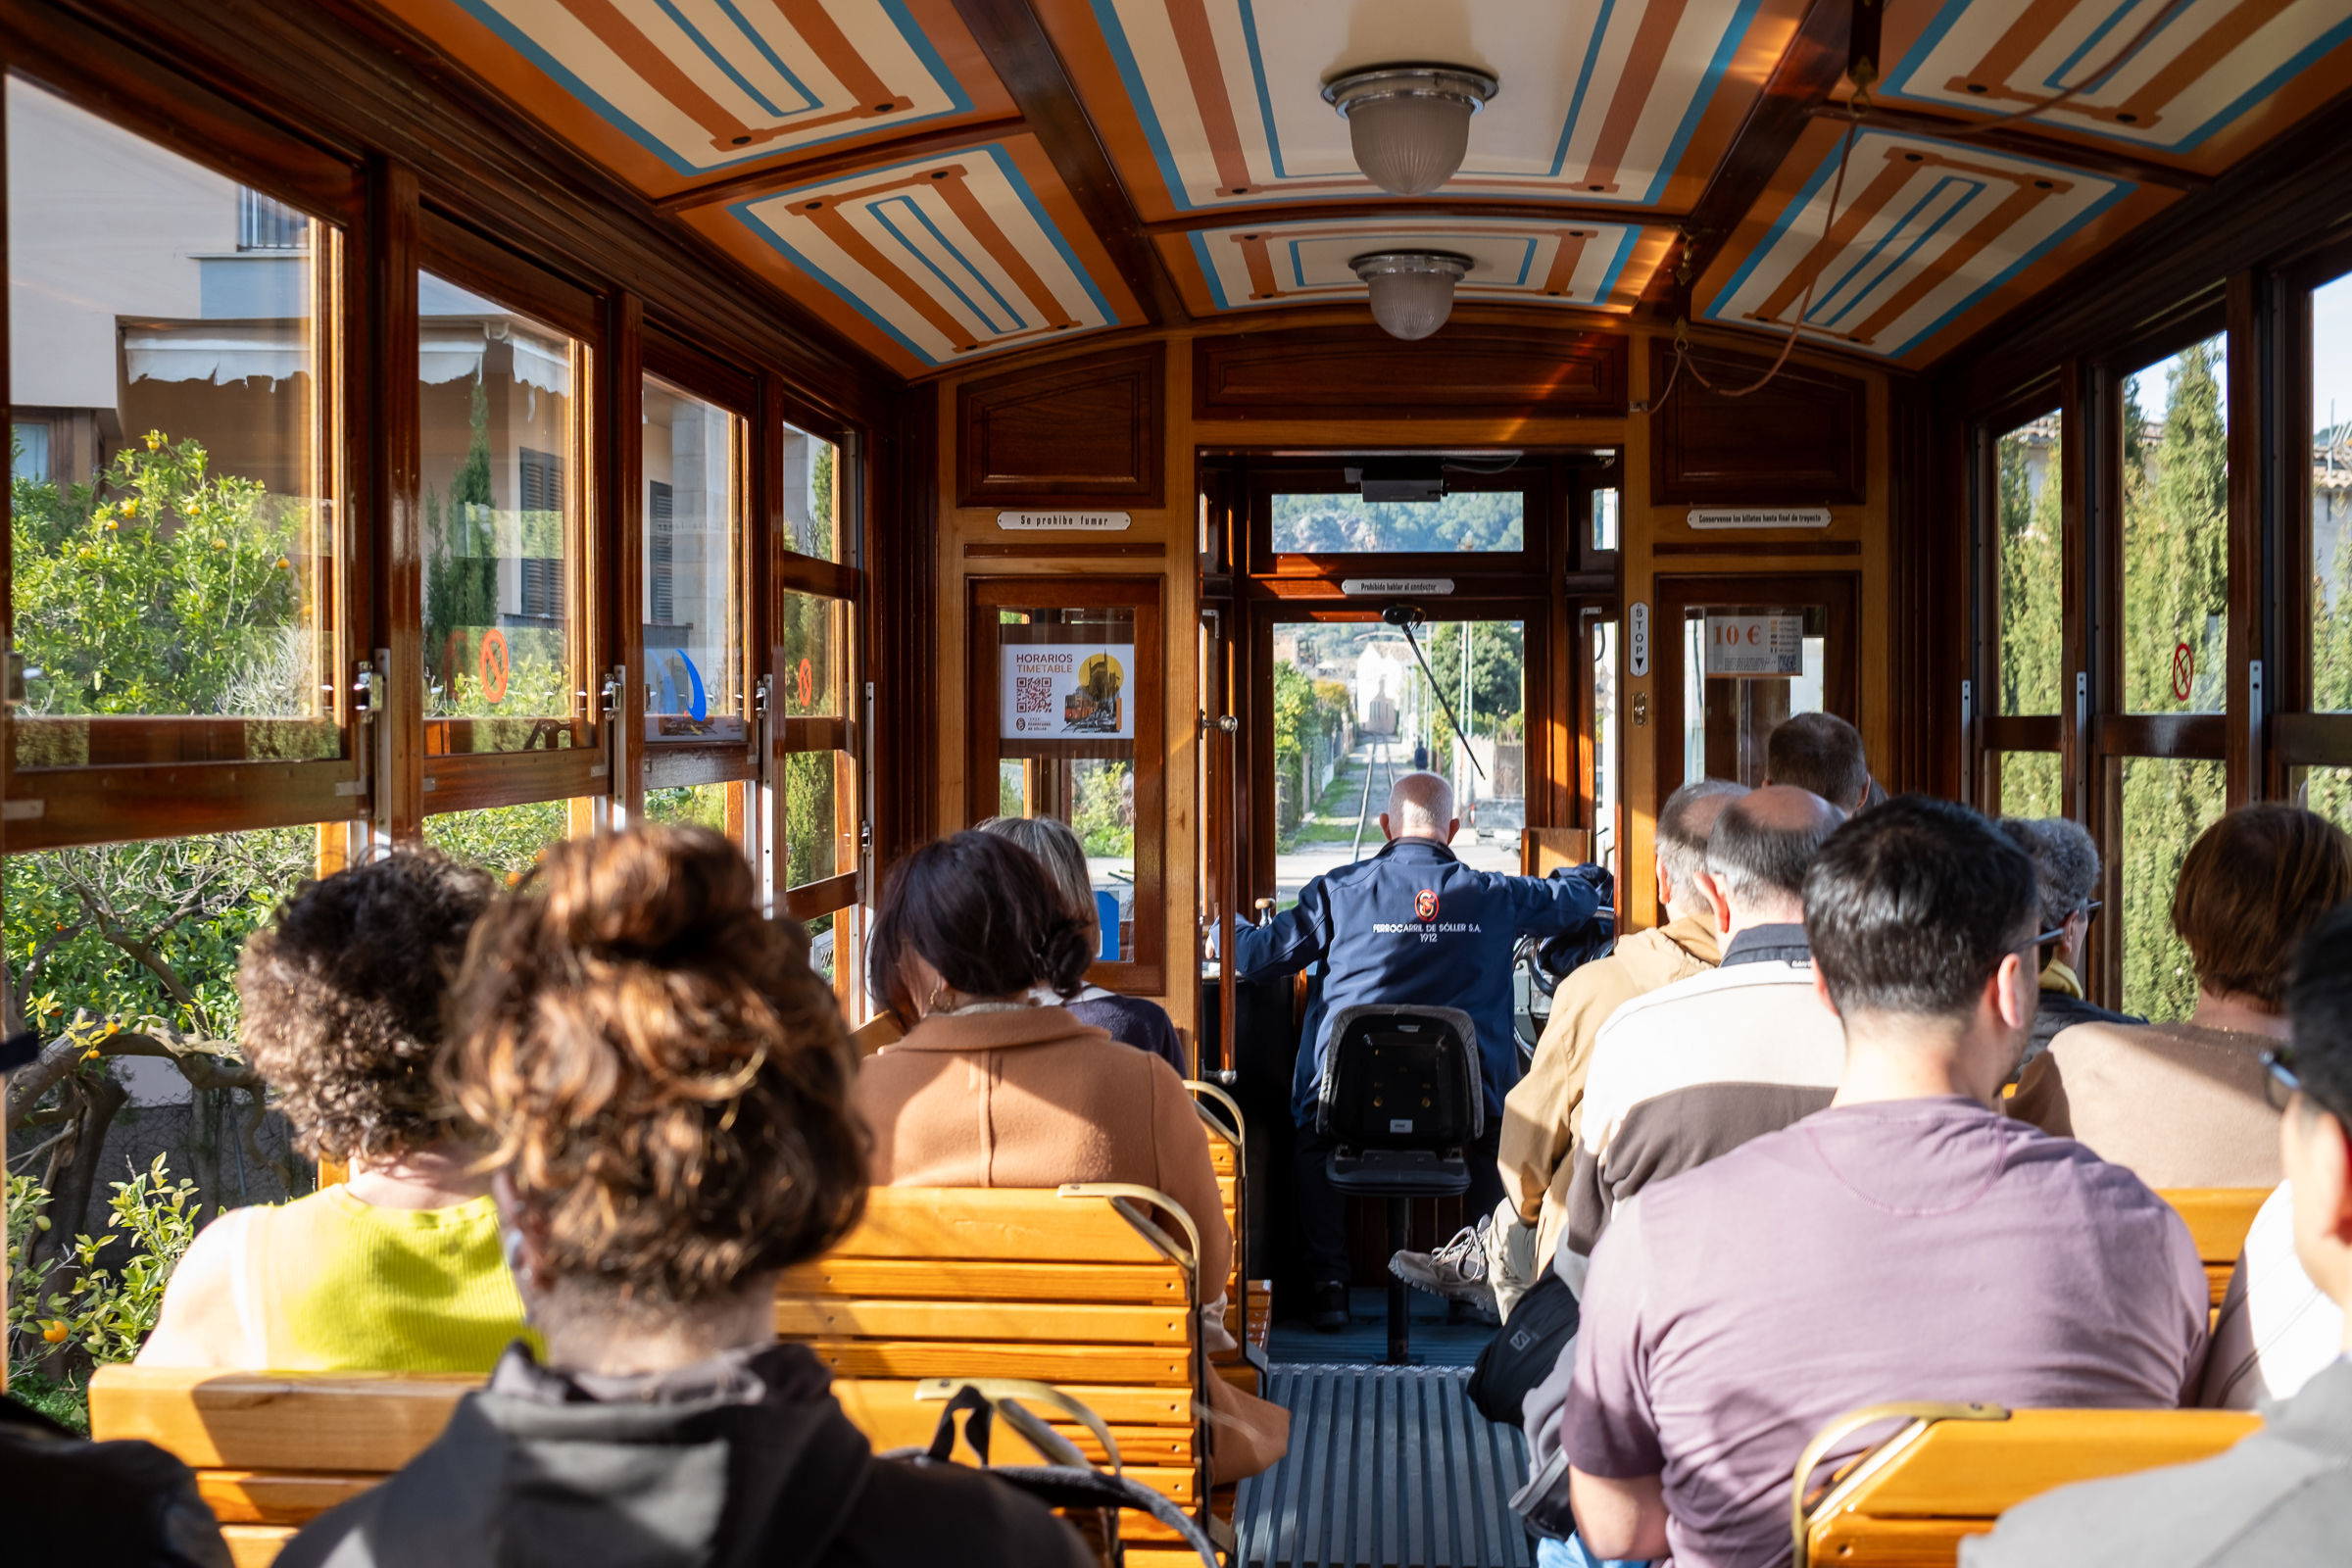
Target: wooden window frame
[[1146, 974]]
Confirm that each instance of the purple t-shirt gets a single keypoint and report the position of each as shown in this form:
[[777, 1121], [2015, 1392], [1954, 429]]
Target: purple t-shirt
[[1906, 1249]]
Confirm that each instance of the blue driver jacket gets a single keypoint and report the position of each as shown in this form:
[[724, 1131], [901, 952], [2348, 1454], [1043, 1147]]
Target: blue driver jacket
[[1412, 926]]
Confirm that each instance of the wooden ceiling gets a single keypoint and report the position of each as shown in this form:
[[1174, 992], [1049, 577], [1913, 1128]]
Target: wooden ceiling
[[952, 179]]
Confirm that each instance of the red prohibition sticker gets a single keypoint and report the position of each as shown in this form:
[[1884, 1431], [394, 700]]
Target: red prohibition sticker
[[1425, 904], [807, 683], [495, 665], [2184, 671]]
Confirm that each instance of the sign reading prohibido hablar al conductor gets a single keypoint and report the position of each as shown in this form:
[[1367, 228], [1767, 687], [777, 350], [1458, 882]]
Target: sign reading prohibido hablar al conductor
[[1068, 691], [1755, 646]]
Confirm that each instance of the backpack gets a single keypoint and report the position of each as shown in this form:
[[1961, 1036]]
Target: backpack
[[1070, 1483], [1525, 1350]]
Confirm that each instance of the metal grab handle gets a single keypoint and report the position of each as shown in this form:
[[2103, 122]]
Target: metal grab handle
[[1236, 1134], [1920, 1415], [1000, 1391], [1124, 1197]]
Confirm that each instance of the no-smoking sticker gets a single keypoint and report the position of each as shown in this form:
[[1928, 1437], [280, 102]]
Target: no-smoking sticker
[[496, 667], [2184, 671]]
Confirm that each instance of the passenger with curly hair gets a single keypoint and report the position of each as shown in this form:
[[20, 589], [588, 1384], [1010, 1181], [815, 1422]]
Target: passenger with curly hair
[[398, 1268], [666, 1091]]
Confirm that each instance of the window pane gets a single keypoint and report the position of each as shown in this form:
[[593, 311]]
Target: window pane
[[1605, 744], [1605, 519], [693, 539], [171, 499], [506, 839], [691, 805], [813, 523], [2176, 537], [812, 633], [2030, 567], [2325, 789], [1066, 739], [820, 829], [1343, 522], [2331, 565], [1746, 667], [93, 929], [2031, 784], [2166, 803], [501, 525], [1352, 710]]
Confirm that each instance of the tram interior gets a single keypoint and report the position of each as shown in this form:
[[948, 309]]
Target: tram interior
[[492, 424]]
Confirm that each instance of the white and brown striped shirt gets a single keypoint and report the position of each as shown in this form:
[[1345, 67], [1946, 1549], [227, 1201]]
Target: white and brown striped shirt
[[1696, 1069]]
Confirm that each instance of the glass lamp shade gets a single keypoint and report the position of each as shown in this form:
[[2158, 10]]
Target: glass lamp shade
[[1409, 125], [1409, 144], [1412, 292]]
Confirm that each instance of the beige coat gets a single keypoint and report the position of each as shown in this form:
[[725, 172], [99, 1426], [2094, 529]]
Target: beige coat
[[2182, 1107], [1542, 1115], [1033, 1098]]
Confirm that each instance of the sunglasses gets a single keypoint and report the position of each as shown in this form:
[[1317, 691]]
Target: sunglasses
[[2092, 909], [2280, 1083]]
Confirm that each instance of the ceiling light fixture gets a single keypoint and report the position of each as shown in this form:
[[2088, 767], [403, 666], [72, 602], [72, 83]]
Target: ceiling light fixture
[[1412, 291], [1409, 125]]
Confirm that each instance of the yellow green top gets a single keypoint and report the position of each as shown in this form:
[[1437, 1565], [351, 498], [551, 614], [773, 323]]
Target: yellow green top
[[331, 1285]]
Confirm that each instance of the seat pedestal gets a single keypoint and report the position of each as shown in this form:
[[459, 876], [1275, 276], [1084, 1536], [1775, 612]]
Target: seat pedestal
[[1399, 1176]]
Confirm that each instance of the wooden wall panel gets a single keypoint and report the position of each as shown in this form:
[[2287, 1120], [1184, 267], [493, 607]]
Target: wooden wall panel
[[1077, 432], [1801, 441], [1463, 371]]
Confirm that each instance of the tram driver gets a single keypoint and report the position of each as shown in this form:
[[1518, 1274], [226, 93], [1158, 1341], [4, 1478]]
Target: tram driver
[[1411, 926]]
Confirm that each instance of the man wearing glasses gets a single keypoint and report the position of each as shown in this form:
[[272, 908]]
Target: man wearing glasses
[[2283, 1499]]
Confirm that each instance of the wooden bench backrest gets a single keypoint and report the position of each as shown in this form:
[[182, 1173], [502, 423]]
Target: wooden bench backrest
[[964, 1282], [272, 1451], [1915, 1497], [2218, 1219]]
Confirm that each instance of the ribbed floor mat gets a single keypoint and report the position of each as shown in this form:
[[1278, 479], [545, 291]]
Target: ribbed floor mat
[[1388, 1467]]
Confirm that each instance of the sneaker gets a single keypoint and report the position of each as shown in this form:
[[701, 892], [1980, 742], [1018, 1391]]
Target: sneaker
[[1456, 1271], [1327, 1308]]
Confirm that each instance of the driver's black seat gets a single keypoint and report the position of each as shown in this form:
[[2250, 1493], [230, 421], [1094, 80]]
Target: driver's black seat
[[1402, 1097]]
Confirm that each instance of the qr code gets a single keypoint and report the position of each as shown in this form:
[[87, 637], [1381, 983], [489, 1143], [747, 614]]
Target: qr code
[[1033, 694]]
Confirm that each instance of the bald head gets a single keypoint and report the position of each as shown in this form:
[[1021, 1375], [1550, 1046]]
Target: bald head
[[1420, 806], [1684, 823], [1762, 845]]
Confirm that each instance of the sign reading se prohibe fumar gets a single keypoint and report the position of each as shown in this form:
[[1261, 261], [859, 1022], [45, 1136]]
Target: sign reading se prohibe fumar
[[1067, 691]]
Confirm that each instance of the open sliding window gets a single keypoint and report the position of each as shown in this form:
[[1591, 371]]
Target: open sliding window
[[1067, 722], [700, 761], [2162, 732], [816, 745], [506, 376], [178, 493], [2023, 568], [2312, 734]]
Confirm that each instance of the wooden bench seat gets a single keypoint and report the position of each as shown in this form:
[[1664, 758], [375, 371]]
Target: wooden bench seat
[[2218, 1218], [1950, 1471], [1079, 1289]]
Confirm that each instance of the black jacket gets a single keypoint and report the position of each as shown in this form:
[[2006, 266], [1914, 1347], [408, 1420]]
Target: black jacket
[[124, 1504], [741, 1460], [2059, 1009]]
